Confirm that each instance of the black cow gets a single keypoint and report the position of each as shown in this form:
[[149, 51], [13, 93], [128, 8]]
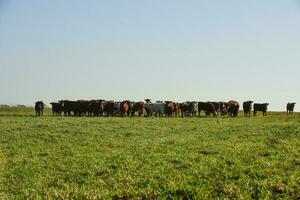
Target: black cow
[[260, 107], [207, 107], [188, 108], [82, 107], [109, 108], [96, 108], [68, 107], [224, 108], [39, 108], [56, 108], [290, 108], [138, 107], [247, 107], [220, 107]]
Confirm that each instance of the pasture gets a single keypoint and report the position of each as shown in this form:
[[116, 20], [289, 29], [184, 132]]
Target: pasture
[[148, 158]]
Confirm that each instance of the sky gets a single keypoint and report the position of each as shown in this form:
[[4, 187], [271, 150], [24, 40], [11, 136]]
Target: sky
[[202, 50]]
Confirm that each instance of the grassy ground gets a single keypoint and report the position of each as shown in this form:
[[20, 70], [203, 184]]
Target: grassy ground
[[148, 158]]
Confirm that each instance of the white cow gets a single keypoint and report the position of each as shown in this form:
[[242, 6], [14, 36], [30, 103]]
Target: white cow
[[158, 108]]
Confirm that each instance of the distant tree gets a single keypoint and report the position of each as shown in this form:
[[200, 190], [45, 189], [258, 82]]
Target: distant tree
[[21, 106], [4, 106]]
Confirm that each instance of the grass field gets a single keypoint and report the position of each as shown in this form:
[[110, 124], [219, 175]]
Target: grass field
[[148, 158]]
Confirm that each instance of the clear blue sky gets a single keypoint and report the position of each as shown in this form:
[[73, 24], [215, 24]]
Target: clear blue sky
[[164, 50]]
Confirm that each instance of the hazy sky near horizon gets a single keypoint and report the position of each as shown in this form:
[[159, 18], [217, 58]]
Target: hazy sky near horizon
[[164, 50]]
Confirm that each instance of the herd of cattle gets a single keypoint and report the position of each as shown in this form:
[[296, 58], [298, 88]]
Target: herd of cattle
[[159, 108]]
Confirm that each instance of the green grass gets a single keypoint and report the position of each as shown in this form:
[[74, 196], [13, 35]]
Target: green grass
[[148, 158]]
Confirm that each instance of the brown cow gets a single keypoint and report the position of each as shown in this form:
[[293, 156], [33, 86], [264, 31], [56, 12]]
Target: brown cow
[[177, 109], [125, 108], [170, 108], [233, 108]]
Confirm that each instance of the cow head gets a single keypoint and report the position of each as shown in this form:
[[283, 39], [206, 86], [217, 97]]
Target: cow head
[[130, 104], [148, 100], [39, 103], [62, 103]]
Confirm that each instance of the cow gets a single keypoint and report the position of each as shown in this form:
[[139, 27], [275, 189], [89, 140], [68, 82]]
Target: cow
[[82, 107], [220, 107], [39, 108], [170, 108], [207, 107], [56, 108], [68, 107], [290, 108], [260, 107], [109, 108], [96, 108], [233, 108], [138, 107], [158, 108], [188, 108], [247, 107], [117, 108], [126, 107], [177, 109], [224, 108]]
